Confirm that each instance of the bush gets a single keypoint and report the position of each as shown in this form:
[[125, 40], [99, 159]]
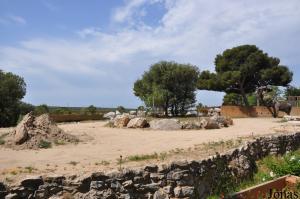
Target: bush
[[41, 109], [45, 144]]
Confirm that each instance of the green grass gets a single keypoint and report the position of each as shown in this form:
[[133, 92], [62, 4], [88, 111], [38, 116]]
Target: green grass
[[29, 169], [103, 162], [45, 144], [2, 141], [269, 168], [272, 167], [59, 142], [142, 157]]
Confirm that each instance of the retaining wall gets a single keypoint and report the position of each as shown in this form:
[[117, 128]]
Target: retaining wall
[[186, 179], [253, 111]]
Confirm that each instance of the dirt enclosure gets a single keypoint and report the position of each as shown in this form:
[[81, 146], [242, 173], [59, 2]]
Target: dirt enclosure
[[100, 147]]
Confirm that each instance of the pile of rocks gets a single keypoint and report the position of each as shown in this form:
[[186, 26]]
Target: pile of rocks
[[32, 130], [133, 121], [214, 122], [129, 121]]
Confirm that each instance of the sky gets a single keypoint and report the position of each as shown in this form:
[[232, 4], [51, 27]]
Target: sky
[[78, 53]]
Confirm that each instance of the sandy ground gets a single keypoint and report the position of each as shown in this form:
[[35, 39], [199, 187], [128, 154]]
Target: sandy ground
[[102, 146]]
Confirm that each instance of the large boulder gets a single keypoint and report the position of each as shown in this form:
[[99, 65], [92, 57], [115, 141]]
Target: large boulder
[[132, 112], [138, 122], [21, 131], [222, 120], [141, 113], [165, 124], [209, 124], [121, 121], [191, 125], [109, 115]]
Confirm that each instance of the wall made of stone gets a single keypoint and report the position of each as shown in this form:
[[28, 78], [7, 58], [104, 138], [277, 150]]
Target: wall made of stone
[[253, 111], [186, 179]]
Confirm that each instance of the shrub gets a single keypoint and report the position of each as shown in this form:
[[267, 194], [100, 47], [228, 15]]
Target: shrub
[[45, 144]]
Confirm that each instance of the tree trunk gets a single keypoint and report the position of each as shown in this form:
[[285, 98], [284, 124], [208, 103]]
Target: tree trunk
[[244, 97], [166, 108]]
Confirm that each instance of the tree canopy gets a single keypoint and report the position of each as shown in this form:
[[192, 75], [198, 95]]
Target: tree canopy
[[168, 85], [292, 91], [242, 69], [12, 90]]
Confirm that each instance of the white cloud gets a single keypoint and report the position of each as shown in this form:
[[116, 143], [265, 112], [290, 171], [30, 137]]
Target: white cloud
[[13, 19], [190, 31]]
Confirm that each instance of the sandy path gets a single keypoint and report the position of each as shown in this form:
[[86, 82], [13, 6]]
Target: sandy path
[[103, 143]]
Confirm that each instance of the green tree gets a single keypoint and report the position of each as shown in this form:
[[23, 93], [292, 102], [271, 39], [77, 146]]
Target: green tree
[[12, 90], [91, 109], [41, 109], [168, 85], [292, 91], [62, 110], [242, 69], [141, 108], [121, 109], [232, 99]]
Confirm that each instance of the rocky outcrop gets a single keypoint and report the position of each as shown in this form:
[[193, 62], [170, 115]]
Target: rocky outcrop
[[181, 179], [32, 131], [138, 122], [121, 121], [191, 125], [165, 124], [21, 131], [109, 115]]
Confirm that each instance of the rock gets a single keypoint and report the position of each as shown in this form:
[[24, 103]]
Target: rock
[[178, 175], [3, 190], [132, 112], [55, 179], [151, 168], [109, 115], [97, 185], [118, 112], [187, 191], [151, 187], [137, 123], [242, 166], [141, 113], [214, 111], [191, 113], [191, 125], [121, 121], [21, 131], [167, 189], [11, 196], [36, 132], [47, 190], [177, 192], [222, 120], [127, 184], [160, 194], [165, 124], [32, 182], [209, 124]]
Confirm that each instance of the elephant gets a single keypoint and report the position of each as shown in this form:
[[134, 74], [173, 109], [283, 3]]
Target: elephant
[[282, 106], [272, 103]]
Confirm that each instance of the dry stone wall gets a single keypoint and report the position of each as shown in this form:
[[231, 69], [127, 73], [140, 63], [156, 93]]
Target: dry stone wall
[[186, 179]]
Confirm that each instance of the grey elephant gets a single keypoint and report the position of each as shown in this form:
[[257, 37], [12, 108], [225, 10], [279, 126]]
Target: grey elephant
[[282, 106], [272, 103]]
